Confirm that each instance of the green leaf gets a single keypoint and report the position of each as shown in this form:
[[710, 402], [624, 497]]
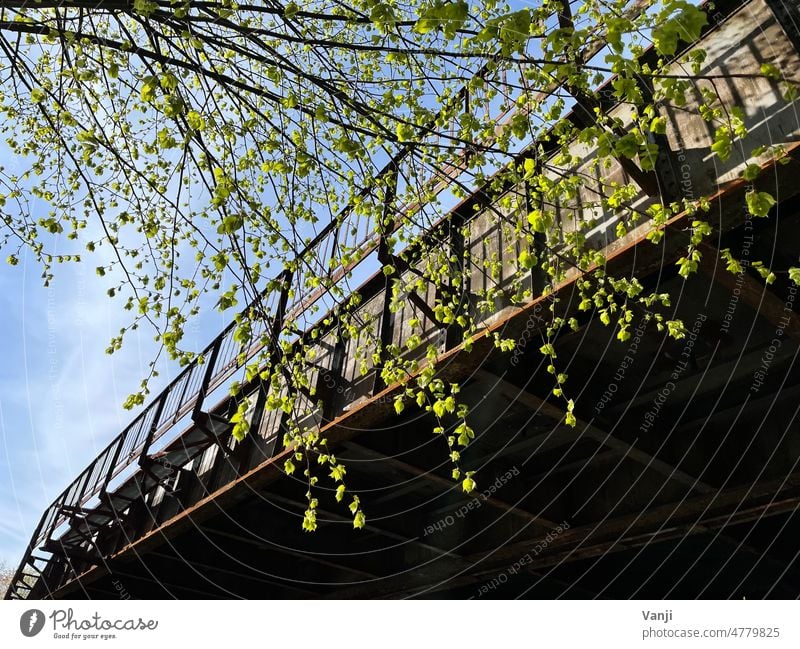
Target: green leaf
[[759, 203], [527, 259], [168, 82], [766, 274], [468, 484], [539, 220], [195, 120], [771, 71], [751, 172], [794, 275], [465, 433], [686, 25], [658, 125], [148, 90], [144, 7], [665, 38], [340, 493], [627, 145], [530, 167], [310, 520], [570, 417], [405, 132], [548, 350], [692, 20], [732, 265], [676, 329], [687, 266], [240, 429], [425, 25], [789, 91], [359, 520], [723, 145], [627, 90], [382, 14], [448, 17], [514, 31]]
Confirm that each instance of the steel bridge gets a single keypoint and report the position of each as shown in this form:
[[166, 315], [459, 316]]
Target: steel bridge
[[680, 479]]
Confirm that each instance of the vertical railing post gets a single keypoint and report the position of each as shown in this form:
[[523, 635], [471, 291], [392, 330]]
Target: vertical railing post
[[468, 148], [330, 405], [276, 327], [387, 227], [186, 382], [278, 320], [245, 451], [112, 466], [153, 428], [459, 281], [84, 483], [665, 166], [36, 538], [283, 302], [201, 393], [538, 277]]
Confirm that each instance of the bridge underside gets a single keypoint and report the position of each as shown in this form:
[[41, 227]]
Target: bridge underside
[[681, 478]]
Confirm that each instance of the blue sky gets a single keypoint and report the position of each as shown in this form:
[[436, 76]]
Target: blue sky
[[60, 393]]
